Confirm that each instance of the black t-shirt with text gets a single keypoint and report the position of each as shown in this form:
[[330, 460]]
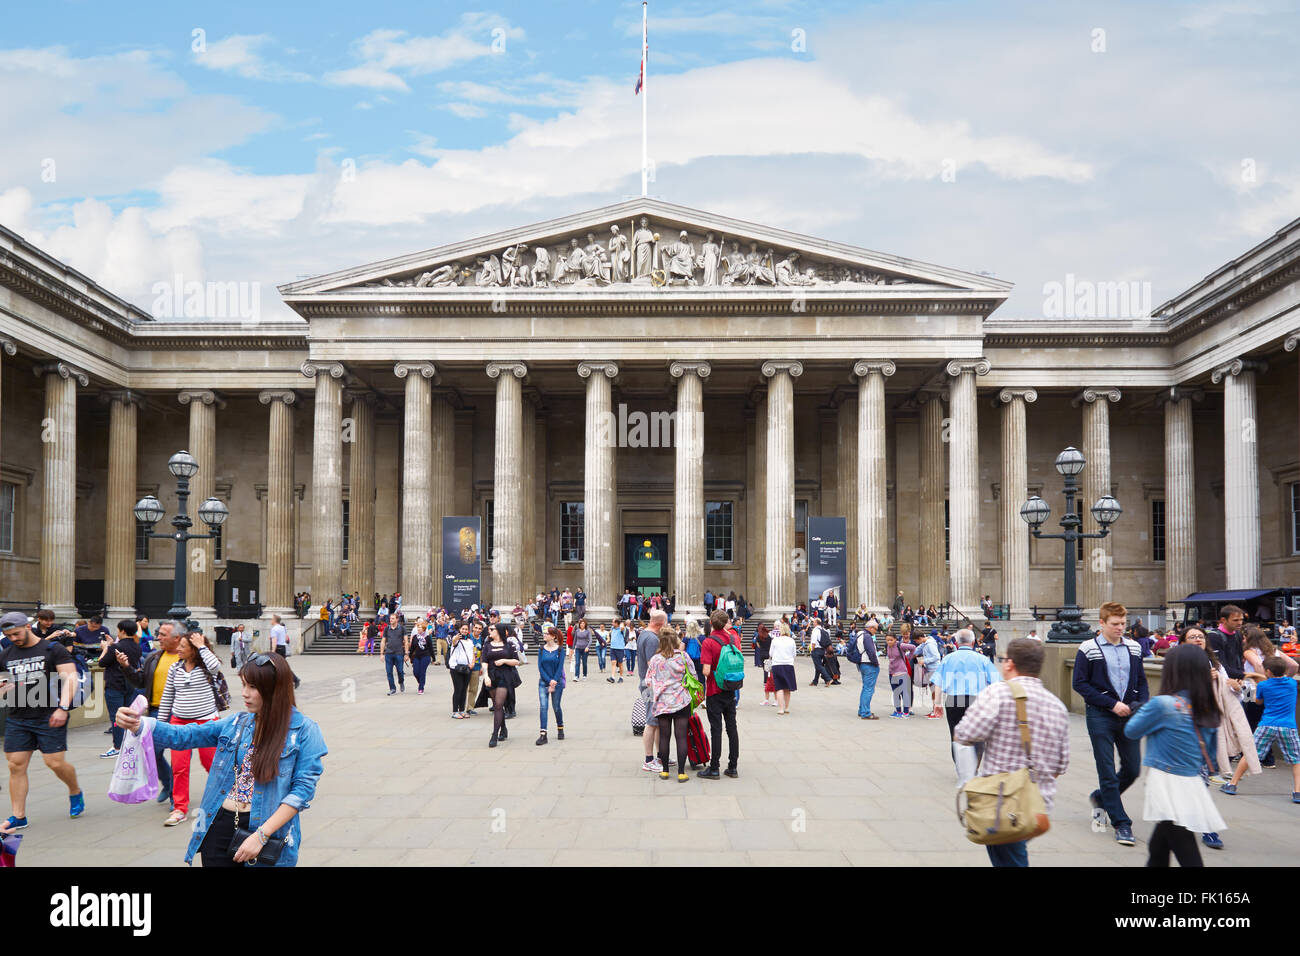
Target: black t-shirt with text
[[34, 691]]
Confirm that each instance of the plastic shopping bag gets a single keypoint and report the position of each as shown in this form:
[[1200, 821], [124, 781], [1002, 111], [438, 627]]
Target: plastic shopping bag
[[9, 849], [135, 775], [966, 759]]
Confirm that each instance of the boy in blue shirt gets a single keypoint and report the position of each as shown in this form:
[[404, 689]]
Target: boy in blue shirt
[[1278, 695]]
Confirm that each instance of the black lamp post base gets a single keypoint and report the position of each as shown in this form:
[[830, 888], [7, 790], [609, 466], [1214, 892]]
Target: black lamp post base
[[1069, 628]]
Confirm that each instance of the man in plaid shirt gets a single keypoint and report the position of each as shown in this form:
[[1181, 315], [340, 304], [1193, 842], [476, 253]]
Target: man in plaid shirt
[[991, 720]]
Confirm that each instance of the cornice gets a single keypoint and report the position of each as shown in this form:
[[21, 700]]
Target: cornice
[[640, 308]]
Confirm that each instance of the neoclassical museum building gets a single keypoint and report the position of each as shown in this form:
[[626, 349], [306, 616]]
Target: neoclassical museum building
[[651, 396]]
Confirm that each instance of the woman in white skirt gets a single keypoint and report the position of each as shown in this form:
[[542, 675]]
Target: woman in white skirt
[[1177, 799]]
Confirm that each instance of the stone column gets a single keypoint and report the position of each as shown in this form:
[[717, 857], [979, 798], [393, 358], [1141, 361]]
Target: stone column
[[756, 531], [1180, 494], [1290, 344], [361, 484], [277, 597], [442, 482], [119, 526], [9, 348], [963, 486], [59, 492], [327, 482], [600, 449], [780, 484], [507, 489], [933, 572], [1015, 489], [873, 516], [846, 477], [200, 574], [1240, 472], [417, 520], [688, 510], [1096, 572]]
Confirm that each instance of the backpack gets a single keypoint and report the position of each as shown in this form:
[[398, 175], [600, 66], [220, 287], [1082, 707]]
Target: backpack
[[854, 655], [693, 649], [730, 672]]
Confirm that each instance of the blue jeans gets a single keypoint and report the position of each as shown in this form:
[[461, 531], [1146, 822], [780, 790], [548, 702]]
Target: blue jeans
[[391, 662], [1106, 731], [869, 674], [160, 758], [629, 660], [600, 657], [419, 667], [580, 658], [543, 697], [113, 699], [1009, 854]]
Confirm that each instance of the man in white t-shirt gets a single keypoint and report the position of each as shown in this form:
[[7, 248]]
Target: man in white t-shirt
[[279, 637]]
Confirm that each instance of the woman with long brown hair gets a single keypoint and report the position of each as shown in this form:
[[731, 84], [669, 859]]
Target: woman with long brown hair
[[265, 773], [189, 697]]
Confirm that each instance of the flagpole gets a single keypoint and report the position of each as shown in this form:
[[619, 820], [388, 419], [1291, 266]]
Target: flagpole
[[645, 69]]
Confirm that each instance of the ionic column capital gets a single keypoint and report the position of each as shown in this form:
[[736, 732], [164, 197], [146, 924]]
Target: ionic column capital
[[1008, 395], [312, 368], [426, 369], [1237, 367], [11, 348], [587, 369], [1179, 393], [517, 369], [288, 396], [1096, 393], [123, 396], [978, 366], [201, 395], [1290, 344], [62, 370], [677, 368], [772, 366], [864, 367]]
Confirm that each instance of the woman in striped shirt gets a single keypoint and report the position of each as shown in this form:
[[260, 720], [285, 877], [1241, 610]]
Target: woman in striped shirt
[[189, 697]]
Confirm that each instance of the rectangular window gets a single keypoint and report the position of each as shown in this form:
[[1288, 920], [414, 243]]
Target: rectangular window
[[1295, 517], [571, 530], [489, 522], [1157, 530], [8, 509], [347, 527], [141, 541], [219, 543], [801, 523], [947, 530], [717, 531]]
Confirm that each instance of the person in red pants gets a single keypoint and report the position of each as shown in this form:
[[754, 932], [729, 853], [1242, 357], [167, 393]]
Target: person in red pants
[[189, 697]]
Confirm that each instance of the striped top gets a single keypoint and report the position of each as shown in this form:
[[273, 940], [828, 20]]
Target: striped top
[[189, 694]]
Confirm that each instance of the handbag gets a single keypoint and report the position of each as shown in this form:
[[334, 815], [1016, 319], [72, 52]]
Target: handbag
[[1005, 807], [270, 854], [220, 689], [691, 684]]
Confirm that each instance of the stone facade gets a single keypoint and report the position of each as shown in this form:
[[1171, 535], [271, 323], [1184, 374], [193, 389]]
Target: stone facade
[[845, 390]]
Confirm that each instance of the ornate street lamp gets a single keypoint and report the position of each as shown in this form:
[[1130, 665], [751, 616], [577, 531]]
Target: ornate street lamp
[[149, 511], [1069, 628]]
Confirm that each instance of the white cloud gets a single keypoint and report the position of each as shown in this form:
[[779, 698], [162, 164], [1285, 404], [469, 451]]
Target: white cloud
[[239, 54], [465, 110], [385, 54], [371, 77]]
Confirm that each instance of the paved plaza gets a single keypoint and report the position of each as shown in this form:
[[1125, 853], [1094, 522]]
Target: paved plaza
[[404, 784]]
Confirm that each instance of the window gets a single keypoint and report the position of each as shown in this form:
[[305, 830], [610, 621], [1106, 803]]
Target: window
[[801, 523], [8, 509], [1295, 517], [347, 527], [489, 519], [571, 530], [1157, 530], [219, 544], [947, 530], [717, 531], [141, 541]]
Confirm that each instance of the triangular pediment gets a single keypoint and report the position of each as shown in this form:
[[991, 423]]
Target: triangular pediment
[[643, 244]]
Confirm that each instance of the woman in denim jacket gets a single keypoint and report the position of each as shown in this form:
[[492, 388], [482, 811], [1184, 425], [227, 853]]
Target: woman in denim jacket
[[1175, 723], [265, 773]]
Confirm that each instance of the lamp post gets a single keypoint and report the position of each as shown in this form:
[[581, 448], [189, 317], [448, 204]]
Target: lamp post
[[1068, 628], [150, 511]]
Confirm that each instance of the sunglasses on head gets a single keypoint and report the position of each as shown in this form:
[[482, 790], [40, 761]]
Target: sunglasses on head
[[260, 659]]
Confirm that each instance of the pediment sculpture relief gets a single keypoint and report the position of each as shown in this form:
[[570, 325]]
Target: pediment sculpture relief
[[639, 256]]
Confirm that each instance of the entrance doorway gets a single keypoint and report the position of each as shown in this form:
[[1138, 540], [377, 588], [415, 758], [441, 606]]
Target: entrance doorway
[[645, 563]]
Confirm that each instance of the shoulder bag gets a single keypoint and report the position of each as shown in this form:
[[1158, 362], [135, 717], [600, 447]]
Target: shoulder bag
[[1005, 807]]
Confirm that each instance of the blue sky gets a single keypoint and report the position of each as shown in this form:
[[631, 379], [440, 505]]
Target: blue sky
[[1115, 141]]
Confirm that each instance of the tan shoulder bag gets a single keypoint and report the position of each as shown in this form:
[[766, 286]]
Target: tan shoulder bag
[[1005, 807]]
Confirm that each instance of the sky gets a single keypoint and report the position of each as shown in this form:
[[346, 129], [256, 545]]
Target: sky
[[261, 143]]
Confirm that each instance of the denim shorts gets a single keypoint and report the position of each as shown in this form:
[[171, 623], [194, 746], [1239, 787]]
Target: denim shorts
[[23, 735]]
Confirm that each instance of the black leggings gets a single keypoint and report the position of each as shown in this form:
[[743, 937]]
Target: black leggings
[[1169, 837], [676, 722], [499, 695], [459, 685], [214, 851]]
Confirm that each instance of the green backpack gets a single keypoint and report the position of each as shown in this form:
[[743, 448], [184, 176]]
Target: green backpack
[[730, 672]]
